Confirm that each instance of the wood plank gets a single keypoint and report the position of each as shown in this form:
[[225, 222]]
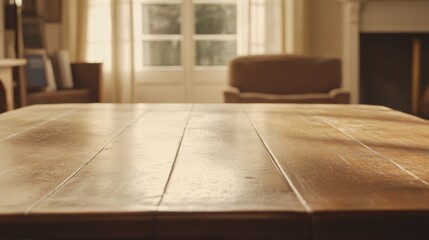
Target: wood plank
[[38, 161], [393, 135], [352, 191], [23, 119], [124, 182], [225, 186], [359, 176]]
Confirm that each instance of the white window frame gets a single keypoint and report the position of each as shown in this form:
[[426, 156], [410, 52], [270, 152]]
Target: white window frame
[[213, 37], [187, 37], [188, 74], [140, 37]]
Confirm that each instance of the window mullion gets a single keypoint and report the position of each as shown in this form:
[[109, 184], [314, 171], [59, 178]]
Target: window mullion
[[188, 48], [215, 37], [153, 37]]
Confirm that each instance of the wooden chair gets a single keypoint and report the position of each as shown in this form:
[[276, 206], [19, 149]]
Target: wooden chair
[[285, 79]]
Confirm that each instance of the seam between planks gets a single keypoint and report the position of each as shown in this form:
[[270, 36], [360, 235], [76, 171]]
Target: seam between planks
[[286, 178], [32, 207], [175, 157], [171, 171], [275, 162], [38, 125], [376, 153]]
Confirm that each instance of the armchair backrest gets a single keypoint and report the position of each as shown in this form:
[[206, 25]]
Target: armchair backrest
[[285, 74]]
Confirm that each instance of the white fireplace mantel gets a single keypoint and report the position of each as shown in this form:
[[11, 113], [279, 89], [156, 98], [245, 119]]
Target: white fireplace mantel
[[376, 16]]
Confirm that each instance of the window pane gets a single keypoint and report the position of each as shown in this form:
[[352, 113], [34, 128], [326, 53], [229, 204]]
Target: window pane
[[215, 19], [214, 53], [161, 19], [161, 53]]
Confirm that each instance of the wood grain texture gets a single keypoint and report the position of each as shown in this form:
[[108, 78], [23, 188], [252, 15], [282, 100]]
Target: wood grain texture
[[352, 191], [224, 184], [39, 160], [15, 122], [279, 171], [397, 137], [127, 177]]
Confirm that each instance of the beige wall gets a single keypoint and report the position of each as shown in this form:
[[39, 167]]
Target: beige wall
[[324, 28]]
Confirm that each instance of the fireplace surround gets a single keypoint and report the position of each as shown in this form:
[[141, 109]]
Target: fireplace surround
[[377, 17]]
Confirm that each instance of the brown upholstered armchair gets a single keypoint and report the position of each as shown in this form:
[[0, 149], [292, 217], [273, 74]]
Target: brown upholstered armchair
[[285, 79]]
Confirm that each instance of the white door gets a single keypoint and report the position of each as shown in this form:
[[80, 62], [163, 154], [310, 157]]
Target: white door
[[183, 48]]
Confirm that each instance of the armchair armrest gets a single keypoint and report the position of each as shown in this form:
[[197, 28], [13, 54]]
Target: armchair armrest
[[340, 95], [231, 95], [89, 76]]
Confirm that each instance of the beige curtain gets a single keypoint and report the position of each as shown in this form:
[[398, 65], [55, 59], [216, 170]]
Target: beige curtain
[[122, 71], [272, 26], [296, 26], [74, 28], [262, 26], [109, 40]]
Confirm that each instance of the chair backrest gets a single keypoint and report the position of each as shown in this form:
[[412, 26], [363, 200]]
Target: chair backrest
[[285, 74]]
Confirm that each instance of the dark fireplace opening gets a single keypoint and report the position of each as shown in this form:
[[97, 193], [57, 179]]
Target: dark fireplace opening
[[394, 70]]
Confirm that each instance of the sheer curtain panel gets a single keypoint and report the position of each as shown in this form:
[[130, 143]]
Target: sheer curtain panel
[[74, 28], [110, 40]]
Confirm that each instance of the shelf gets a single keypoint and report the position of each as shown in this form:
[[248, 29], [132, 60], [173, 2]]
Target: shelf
[[11, 62]]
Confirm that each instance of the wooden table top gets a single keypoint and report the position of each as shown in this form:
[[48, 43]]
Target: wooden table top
[[255, 171]]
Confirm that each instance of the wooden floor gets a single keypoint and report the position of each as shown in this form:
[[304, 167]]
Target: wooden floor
[[279, 171]]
